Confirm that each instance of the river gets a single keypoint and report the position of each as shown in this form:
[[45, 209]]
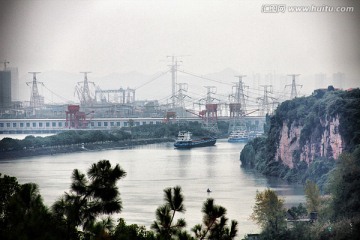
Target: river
[[151, 168]]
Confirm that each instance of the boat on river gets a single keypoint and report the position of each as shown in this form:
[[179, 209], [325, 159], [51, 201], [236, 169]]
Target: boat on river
[[238, 136], [184, 140]]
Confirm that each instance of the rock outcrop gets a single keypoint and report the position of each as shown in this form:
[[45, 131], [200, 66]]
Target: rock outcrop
[[329, 145], [305, 135]]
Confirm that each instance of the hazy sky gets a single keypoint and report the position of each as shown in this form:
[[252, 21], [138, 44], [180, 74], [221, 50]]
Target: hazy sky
[[121, 36]]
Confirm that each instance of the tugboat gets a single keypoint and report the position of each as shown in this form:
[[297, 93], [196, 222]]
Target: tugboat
[[184, 141]]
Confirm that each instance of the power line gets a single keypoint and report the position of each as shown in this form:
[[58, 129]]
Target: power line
[[205, 78], [59, 96], [153, 79], [293, 85]]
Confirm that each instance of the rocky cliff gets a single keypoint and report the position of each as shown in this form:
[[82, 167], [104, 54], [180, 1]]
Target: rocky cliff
[[329, 145], [306, 130]]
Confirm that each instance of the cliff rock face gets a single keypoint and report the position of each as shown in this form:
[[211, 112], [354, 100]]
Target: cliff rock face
[[289, 142], [331, 141], [305, 135], [329, 145]]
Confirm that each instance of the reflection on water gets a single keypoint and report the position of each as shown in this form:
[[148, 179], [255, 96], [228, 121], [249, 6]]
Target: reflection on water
[[152, 168]]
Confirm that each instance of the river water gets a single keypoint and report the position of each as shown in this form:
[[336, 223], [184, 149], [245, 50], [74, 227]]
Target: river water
[[152, 168]]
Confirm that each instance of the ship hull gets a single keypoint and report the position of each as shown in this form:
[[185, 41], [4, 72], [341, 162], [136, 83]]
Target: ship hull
[[236, 140], [194, 144]]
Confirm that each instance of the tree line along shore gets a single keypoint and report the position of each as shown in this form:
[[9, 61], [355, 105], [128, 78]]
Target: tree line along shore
[[84, 140]]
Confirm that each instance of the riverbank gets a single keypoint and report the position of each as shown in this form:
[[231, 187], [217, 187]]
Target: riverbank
[[96, 146]]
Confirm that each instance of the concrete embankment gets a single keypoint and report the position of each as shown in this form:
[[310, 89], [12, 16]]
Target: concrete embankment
[[97, 146]]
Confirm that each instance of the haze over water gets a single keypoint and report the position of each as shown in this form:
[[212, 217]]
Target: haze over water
[[152, 168]]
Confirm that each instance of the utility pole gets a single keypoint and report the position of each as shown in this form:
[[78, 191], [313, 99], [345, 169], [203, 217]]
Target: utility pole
[[293, 85], [239, 94], [210, 122], [264, 101], [84, 91], [183, 87], [210, 90], [238, 106], [35, 99], [174, 66]]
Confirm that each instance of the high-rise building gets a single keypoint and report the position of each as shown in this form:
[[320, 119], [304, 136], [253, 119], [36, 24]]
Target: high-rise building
[[5, 89], [15, 95]]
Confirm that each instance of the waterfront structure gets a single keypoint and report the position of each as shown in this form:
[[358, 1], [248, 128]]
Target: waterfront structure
[[54, 125], [8, 126]]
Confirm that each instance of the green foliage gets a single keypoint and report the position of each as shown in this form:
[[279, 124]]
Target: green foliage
[[310, 113], [165, 214], [91, 196], [318, 172], [214, 223], [297, 212], [253, 154], [63, 138], [269, 213], [9, 144], [130, 232], [343, 229], [23, 214], [168, 130], [312, 195], [344, 186], [300, 231]]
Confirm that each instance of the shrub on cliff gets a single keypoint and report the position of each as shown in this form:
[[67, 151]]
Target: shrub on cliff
[[252, 154]]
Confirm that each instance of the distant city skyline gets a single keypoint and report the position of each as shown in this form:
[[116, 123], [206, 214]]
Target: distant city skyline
[[118, 37]]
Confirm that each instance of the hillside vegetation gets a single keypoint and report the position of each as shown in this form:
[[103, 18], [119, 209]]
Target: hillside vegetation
[[305, 136]]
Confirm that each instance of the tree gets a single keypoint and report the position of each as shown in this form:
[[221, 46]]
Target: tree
[[269, 213], [130, 232], [8, 188], [165, 214], [90, 196], [100, 230], [26, 217], [312, 195], [215, 223], [344, 186]]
